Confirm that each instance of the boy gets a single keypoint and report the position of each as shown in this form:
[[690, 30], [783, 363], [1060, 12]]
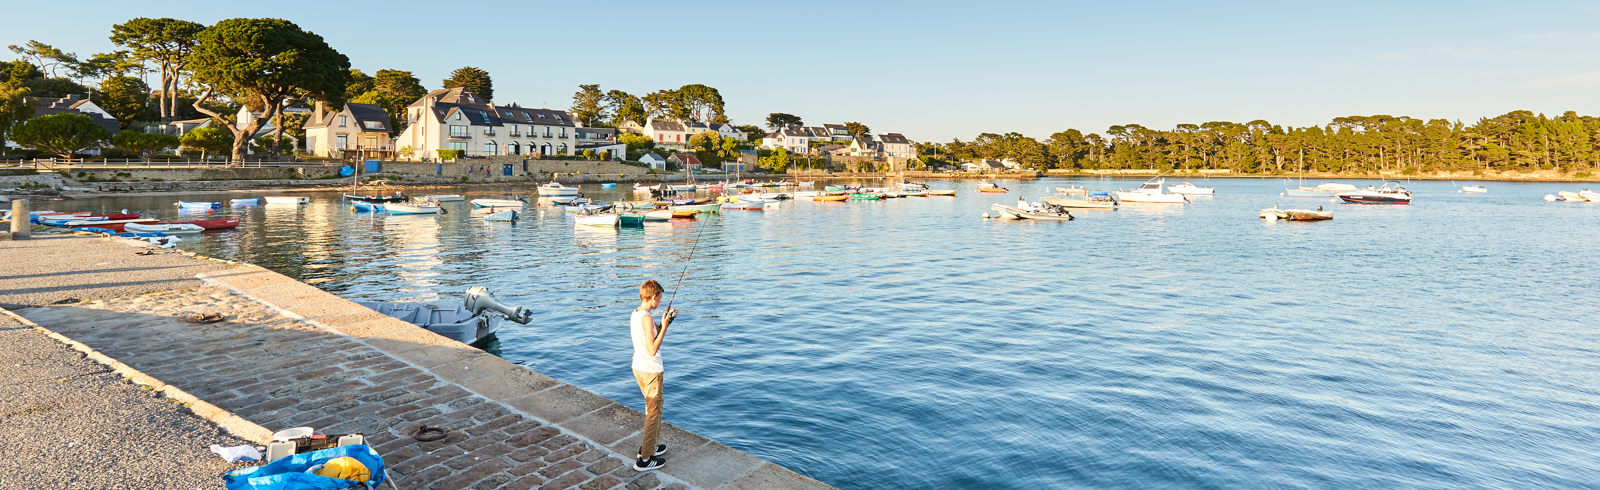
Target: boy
[[647, 370]]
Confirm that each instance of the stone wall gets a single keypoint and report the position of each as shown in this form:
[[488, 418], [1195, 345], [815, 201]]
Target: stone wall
[[202, 173], [492, 169]]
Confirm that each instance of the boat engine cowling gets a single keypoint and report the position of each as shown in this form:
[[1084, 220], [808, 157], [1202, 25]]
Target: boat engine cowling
[[479, 299]]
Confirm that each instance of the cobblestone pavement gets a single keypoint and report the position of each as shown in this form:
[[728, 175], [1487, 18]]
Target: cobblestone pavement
[[67, 421], [290, 355]]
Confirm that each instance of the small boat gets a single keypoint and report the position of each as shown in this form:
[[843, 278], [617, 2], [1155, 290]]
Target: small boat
[[1390, 193], [1069, 197], [830, 197], [368, 207], [199, 205], [208, 224], [1274, 214], [745, 205], [630, 219], [608, 185], [1572, 197], [991, 187], [556, 189], [474, 318], [375, 198], [805, 184], [942, 192], [606, 219], [509, 215], [444, 198], [588, 208], [60, 219], [1323, 190], [698, 208], [807, 194], [499, 203], [244, 202], [1190, 189], [1474, 189], [1043, 213], [659, 215], [410, 208], [913, 186], [287, 199], [569, 200], [1150, 192], [112, 224], [634, 205], [1592, 196], [861, 196], [835, 188], [683, 213], [168, 228]]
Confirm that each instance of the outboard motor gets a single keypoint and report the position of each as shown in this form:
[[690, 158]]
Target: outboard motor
[[479, 299]]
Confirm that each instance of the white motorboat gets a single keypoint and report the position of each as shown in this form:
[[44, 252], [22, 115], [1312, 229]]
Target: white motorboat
[[410, 208], [445, 198], [474, 318], [607, 219], [1024, 210], [498, 203], [1191, 189], [745, 205], [1078, 197], [287, 199], [1390, 193], [1592, 196], [913, 186], [1572, 197], [1151, 192], [1474, 189], [168, 228], [1274, 214], [556, 189], [800, 194], [244, 202]]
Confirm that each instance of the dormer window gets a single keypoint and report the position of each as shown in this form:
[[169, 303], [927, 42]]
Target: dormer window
[[458, 116]]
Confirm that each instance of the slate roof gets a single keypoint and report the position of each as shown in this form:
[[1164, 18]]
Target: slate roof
[[838, 129], [369, 118], [47, 106], [894, 138], [686, 158], [666, 125]]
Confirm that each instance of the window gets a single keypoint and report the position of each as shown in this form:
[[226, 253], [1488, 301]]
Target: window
[[489, 148], [458, 116], [458, 145], [458, 131], [373, 125], [561, 150], [341, 141], [343, 120], [514, 130], [370, 142]]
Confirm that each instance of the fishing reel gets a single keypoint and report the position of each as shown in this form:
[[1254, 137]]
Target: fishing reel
[[479, 298]]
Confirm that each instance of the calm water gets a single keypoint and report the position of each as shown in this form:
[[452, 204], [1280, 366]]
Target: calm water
[[910, 344]]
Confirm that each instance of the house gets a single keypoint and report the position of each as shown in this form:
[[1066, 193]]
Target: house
[[837, 132], [728, 131], [631, 127], [864, 146], [983, 166], [361, 130], [654, 161], [671, 134], [457, 119], [794, 139], [74, 104], [818, 133], [686, 161], [179, 128], [600, 140], [896, 145]]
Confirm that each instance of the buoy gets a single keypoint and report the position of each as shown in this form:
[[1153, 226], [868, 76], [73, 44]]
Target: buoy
[[985, 215], [1550, 198], [1282, 194]]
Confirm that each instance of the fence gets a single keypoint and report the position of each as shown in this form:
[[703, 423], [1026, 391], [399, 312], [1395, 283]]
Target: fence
[[51, 164]]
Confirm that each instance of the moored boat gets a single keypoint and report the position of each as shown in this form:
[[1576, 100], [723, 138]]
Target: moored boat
[[508, 215], [1151, 192], [1390, 193], [444, 198], [1274, 214], [1037, 212], [658, 215], [468, 321], [1592, 196], [168, 228], [410, 208], [1322, 190], [1080, 198], [606, 219], [499, 203], [365, 206], [745, 205], [287, 199], [209, 224], [199, 205], [1191, 189], [375, 198], [991, 187], [830, 197], [244, 202], [1474, 189], [556, 189], [942, 192], [1572, 196], [698, 208]]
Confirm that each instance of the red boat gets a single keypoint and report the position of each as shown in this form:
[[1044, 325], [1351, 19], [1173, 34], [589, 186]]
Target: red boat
[[208, 224]]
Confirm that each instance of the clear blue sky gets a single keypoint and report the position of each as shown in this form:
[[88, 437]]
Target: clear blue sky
[[941, 70]]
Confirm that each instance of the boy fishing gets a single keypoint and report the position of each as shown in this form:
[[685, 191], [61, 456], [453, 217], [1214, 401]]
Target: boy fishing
[[648, 371]]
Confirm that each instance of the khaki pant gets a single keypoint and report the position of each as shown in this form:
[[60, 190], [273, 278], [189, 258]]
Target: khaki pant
[[650, 386]]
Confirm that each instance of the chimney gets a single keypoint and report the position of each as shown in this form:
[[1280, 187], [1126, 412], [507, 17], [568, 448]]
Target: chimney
[[316, 115], [72, 97]]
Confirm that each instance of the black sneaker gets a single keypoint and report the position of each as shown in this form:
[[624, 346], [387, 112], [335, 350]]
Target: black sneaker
[[649, 465], [660, 450]]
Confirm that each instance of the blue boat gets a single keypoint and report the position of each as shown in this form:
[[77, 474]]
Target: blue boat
[[206, 205], [244, 202], [367, 207]]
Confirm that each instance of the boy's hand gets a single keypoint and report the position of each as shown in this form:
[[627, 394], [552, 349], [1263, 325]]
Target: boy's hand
[[667, 318]]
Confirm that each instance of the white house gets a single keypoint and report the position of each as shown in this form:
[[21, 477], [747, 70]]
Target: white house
[[837, 132], [600, 140], [795, 139], [896, 145], [358, 128], [654, 161], [728, 131], [667, 133], [457, 119], [864, 146]]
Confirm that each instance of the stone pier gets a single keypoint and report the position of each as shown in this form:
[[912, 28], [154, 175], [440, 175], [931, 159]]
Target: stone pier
[[288, 355]]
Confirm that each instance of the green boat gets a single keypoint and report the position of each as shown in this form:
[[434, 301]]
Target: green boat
[[865, 197], [630, 219]]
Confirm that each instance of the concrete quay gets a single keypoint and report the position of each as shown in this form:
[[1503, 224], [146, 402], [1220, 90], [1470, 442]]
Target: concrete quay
[[291, 355]]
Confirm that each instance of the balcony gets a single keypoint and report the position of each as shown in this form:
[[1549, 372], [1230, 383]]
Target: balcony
[[514, 134], [488, 132], [462, 136], [562, 137], [547, 135]]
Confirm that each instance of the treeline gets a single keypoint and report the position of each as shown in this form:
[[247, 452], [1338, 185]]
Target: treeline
[[1519, 140]]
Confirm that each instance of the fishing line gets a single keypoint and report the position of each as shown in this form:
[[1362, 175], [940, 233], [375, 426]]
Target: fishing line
[[686, 265]]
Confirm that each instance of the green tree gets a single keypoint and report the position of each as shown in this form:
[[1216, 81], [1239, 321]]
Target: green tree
[[145, 144], [16, 73], [166, 42], [857, 129], [752, 132], [698, 102], [473, 79], [209, 139], [624, 107], [588, 104], [14, 108], [638, 144], [664, 104], [245, 58], [126, 98], [360, 83], [48, 58], [777, 162], [779, 120], [62, 134], [54, 87], [398, 88]]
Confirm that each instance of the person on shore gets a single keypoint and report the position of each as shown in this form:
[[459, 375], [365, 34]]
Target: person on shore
[[648, 371]]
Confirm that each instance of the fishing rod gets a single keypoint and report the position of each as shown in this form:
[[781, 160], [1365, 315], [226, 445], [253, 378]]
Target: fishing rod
[[686, 263]]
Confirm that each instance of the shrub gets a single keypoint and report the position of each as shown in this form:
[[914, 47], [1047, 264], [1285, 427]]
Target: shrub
[[451, 154], [1582, 175], [118, 153]]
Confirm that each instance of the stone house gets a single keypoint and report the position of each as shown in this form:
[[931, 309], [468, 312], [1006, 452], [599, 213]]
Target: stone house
[[457, 119]]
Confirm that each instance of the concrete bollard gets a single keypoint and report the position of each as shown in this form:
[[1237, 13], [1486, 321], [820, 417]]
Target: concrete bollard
[[21, 224]]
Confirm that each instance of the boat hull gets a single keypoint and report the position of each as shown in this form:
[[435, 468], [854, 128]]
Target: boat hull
[[1067, 202], [447, 318], [1364, 198], [602, 220], [1152, 198], [496, 203], [287, 199], [397, 208]]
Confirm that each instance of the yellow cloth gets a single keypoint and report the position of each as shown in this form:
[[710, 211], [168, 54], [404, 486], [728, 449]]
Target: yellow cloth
[[345, 468]]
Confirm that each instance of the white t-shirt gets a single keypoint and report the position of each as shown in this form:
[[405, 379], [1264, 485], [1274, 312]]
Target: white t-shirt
[[642, 360]]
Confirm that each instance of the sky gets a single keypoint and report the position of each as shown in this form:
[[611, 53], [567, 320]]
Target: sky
[[937, 70]]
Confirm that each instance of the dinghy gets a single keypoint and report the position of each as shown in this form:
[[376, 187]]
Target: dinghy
[[745, 205], [501, 216], [658, 215], [209, 224], [608, 220], [199, 205], [168, 228], [444, 198], [375, 198], [556, 189], [1274, 214], [698, 208], [1036, 212], [404, 208], [368, 207], [287, 199], [244, 202], [499, 203], [1191, 189], [830, 197], [474, 318]]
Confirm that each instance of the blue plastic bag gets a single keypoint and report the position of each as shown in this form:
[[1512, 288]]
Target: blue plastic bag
[[289, 473]]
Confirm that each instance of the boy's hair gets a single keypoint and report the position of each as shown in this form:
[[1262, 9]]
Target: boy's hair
[[650, 289]]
